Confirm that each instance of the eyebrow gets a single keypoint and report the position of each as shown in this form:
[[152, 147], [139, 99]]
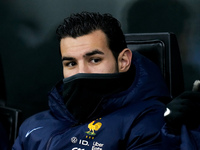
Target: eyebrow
[[94, 52], [67, 58]]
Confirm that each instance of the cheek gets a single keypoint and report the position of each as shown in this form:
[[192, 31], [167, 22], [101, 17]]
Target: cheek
[[68, 73], [114, 68], [65, 75], [110, 68]]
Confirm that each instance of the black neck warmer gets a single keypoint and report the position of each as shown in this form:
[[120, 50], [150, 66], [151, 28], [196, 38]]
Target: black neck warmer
[[82, 93]]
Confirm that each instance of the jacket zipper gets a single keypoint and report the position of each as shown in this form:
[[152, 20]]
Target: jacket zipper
[[54, 135]]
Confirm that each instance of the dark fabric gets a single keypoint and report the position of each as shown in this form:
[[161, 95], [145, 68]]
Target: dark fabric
[[82, 93], [182, 130], [185, 109]]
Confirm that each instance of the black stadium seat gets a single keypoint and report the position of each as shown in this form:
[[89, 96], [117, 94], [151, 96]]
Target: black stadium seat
[[162, 49]]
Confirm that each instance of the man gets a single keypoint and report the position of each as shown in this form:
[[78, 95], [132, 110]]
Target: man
[[109, 97]]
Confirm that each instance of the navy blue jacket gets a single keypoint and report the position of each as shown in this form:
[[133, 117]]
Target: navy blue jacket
[[132, 119], [187, 139]]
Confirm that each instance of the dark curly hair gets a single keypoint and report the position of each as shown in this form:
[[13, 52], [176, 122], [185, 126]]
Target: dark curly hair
[[86, 22]]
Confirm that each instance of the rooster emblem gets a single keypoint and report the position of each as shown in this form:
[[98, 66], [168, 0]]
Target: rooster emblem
[[93, 127]]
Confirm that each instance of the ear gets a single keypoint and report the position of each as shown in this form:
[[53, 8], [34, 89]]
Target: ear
[[124, 60]]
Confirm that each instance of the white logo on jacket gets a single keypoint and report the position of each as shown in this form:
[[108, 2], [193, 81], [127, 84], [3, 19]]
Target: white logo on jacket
[[30, 131]]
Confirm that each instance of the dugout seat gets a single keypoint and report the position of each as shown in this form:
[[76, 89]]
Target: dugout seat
[[163, 50], [10, 118]]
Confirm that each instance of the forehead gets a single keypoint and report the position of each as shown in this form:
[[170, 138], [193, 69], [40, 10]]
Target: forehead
[[95, 40]]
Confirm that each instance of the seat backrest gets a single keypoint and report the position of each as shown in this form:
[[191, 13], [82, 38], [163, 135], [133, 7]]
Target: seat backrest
[[163, 50], [10, 119]]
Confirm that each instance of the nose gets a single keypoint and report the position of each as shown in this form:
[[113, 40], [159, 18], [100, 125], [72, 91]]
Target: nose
[[83, 68]]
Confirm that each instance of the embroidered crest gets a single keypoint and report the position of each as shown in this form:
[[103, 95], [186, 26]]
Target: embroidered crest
[[93, 126]]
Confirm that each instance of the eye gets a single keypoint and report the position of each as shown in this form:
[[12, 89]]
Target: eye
[[95, 60], [70, 64]]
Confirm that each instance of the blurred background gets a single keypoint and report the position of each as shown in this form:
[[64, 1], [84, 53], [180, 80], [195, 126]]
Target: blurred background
[[29, 51]]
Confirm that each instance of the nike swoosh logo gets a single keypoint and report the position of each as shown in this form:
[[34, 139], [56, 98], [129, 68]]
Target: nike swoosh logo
[[30, 131], [167, 112]]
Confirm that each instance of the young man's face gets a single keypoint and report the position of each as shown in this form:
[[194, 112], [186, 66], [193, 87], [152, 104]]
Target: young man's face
[[87, 54]]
